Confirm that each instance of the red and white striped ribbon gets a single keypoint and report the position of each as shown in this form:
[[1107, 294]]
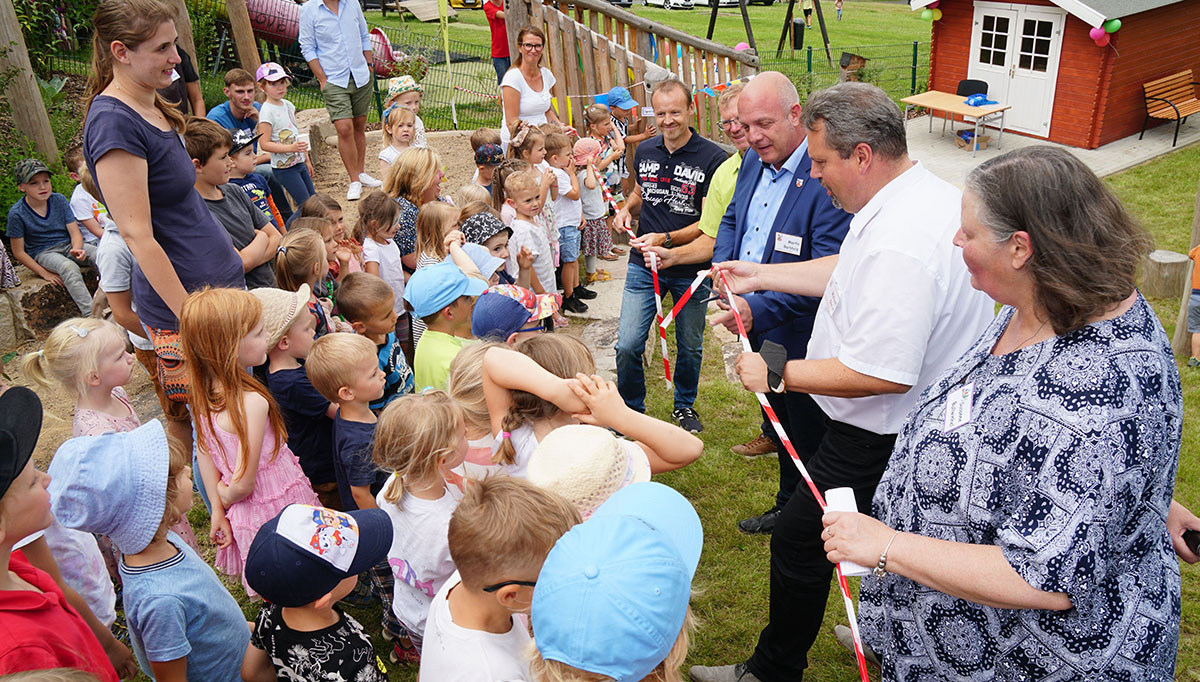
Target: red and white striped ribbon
[[812, 486], [700, 277], [662, 332]]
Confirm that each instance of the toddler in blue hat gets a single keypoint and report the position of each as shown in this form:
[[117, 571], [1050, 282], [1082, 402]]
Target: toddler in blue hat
[[443, 297], [132, 487], [302, 562], [612, 595]]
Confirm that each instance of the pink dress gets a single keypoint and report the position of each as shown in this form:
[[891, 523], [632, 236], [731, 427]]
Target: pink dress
[[280, 482]]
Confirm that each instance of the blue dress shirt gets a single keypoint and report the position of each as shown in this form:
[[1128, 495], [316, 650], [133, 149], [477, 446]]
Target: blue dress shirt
[[337, 41], [768, 195]]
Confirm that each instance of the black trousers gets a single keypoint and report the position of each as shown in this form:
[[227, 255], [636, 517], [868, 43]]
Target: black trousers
[[804, 424], [800, 574]]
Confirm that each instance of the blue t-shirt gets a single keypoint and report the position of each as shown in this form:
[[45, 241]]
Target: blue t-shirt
[[223, 116], [310, 431], [41, 233], [398, 376], [196, 244], [353, 443], [178, 607]]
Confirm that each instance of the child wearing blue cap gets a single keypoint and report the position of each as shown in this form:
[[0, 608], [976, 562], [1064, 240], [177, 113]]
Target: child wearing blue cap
[[612, 596], [443, 297], [132, 487], [302, 562]]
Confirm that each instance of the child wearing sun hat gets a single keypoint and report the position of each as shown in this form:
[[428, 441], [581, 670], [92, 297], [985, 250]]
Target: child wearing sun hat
[[586, 465], [405, 91]]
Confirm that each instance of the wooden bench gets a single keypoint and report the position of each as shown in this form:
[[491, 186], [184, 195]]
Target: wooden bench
[[1172, 98]]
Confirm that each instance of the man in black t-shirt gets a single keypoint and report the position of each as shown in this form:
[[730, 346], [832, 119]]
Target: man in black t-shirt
[[184, 90], [671, 173]]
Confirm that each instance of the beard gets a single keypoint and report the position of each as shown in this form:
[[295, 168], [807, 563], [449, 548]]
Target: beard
[[832, 197]]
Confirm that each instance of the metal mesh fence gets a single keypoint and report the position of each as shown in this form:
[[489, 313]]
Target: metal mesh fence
[[900, 70]]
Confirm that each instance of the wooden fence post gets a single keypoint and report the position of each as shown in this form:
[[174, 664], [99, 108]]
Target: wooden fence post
[[23, 93], [1181, 342], [516, 17], [243, 34], [183, 26]]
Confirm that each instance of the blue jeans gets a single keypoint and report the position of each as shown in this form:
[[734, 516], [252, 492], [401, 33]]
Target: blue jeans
[[501, 64], [637, 314], [297, 182]]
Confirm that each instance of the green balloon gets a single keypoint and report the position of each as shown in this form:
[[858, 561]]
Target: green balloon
[[1112, 25], [927, 14]]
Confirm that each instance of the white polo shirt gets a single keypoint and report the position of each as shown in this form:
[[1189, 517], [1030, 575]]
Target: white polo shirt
[[899, 305]]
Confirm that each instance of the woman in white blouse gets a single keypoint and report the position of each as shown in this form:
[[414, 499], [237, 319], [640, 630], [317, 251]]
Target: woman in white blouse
[[525, 88]]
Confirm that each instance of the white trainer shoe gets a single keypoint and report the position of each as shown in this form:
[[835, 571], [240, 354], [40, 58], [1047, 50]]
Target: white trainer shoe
[[354, 192], [369, 181]]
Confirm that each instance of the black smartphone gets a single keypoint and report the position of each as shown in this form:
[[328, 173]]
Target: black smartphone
[[1192, 539]]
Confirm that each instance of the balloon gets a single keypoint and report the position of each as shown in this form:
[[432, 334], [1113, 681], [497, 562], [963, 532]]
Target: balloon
[[934, 4], [742, 46], [1096, 33], [1112, 26], [937, 14], [927, 14], [1103, 40]]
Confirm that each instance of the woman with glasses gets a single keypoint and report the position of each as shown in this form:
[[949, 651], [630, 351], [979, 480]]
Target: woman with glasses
[[525, 89]]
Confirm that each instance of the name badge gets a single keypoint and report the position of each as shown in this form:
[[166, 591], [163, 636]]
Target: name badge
[[648, 112], [788, 243], [174, 75], [958, 407]]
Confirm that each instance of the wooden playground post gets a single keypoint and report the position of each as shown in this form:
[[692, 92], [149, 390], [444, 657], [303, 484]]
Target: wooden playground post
[[183, 26], [243, 34], [23, 93], [516, 17]]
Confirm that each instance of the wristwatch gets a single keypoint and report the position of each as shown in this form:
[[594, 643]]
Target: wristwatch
[[667, 241]]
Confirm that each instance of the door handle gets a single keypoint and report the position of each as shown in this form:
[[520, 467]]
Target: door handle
[[1012, 71]]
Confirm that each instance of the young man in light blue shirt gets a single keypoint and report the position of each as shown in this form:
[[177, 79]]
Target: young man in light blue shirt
[[337, 47]]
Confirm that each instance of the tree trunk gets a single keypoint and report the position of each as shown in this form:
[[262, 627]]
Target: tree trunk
[[243, 34], [183, 26], [23, 93], [1181, 341]]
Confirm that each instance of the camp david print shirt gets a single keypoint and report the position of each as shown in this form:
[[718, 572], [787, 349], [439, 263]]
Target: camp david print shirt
[[673, 189]]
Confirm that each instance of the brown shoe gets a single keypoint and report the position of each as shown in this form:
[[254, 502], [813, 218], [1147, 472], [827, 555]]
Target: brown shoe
[[758, 447]]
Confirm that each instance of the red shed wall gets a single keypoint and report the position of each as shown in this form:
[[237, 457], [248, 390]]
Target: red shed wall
[[1152, 45]]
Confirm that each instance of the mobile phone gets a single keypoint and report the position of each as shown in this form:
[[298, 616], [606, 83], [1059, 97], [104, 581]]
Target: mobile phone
[[1192, 539]]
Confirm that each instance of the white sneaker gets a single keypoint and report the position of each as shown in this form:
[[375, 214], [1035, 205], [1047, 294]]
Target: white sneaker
[[354, 192], [369, 181]]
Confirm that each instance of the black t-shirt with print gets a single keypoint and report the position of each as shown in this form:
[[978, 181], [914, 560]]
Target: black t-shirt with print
[[342, 651], [673, 189]]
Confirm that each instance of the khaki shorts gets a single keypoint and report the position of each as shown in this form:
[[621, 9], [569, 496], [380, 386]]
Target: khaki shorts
[[349, 102]]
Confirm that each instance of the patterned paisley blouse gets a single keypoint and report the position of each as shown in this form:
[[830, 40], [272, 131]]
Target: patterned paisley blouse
[[1068, 465]]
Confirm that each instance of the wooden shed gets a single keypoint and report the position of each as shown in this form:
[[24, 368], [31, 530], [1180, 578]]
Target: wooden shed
[[1037, 56]]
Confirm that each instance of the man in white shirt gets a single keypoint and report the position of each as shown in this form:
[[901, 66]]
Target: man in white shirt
[[897, 309]]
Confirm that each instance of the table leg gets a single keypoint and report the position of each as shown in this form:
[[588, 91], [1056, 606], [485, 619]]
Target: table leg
[[929, 112], [1000, 136], [975, 142]]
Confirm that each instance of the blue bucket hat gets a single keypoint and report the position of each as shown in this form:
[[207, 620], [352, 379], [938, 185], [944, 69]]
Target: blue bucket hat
[[114, 485], [629, 570], [305, 551], [432, 288]]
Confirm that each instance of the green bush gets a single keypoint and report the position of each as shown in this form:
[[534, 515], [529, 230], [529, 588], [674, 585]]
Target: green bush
[[53, 25]]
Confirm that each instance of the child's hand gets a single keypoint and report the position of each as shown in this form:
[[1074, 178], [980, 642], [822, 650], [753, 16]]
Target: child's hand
[[454, 238], [342, 255], [224, 494], [300, 146], [220, 533], [340, 325], [571, 166], [605, 405], [525, 258], [78, 254], [550, 177]]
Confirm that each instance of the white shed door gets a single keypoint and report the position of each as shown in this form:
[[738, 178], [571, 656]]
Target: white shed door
[[1015, 49]]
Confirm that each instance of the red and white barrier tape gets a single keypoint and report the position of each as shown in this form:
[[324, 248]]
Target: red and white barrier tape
[[812, 486], [700, 277], [662, 332]]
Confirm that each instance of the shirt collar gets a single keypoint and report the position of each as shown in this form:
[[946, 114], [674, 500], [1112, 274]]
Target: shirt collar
[[662, 142], [898, 185], [789, 166]]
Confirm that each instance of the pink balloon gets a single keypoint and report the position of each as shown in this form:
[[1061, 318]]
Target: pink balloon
[[934, 4], [1103, 40], [746, 46], [1097, 33]]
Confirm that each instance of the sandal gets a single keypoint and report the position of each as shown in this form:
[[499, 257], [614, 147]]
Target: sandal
[[599, 276], [618, 250], [609, 256], [561, 322]]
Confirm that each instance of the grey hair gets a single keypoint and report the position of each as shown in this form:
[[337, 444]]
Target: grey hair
[[858, 113], [1086, 246]]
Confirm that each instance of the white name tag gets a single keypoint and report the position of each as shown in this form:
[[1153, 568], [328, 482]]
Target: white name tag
[[788, 243], [648, 112], [958, 407], [174, 75]]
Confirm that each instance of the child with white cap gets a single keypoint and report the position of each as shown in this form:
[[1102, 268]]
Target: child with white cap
[[586, 464], [302, 562], [132, 487], [612, 596]]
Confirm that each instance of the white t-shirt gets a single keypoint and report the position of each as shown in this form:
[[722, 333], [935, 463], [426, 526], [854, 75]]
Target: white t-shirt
[[420, 554], [527, 234], [81, 564], [85, 207], [567, 212], [534, 103], [115, 262], [389, 154], [391, 270], [524, 442], [284, 130], [899, 305], [452, 653]]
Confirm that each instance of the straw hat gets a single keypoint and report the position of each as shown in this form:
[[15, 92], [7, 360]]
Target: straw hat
[[279, 309], [586, 465]]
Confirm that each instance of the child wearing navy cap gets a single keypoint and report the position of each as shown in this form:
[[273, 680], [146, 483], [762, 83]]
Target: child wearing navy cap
[[302, 562]]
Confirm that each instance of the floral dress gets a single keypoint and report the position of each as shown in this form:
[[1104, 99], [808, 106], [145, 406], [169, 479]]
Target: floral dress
[[1067, 463]]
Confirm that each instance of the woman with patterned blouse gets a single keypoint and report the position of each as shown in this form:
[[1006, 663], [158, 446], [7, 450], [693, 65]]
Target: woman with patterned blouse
[[1021, 528]]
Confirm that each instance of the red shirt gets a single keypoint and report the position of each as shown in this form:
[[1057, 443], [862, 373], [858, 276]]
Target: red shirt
[[40, 630], [499, 30]]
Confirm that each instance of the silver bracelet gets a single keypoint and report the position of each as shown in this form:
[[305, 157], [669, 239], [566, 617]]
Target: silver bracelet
[[880, 569]]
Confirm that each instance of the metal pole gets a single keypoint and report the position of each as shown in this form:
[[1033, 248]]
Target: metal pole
[[913, 88]]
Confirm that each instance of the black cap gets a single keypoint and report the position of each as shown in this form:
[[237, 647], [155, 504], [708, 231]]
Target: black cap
[[20, 424]]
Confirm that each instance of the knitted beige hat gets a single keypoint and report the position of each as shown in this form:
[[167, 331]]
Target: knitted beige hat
[[279, 310], [586, 465]]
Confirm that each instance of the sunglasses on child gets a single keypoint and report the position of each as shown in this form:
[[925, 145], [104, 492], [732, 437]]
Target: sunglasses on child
[[506, 583]]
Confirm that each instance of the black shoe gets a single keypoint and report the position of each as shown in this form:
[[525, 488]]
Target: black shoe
[[688, 420], [762, 524], [574, 305], [584, 293]]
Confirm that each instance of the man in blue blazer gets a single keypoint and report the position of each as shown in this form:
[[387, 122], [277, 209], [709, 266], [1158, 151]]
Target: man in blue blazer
[[779, 215]]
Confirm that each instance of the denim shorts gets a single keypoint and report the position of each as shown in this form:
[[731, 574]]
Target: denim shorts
[[568, 241], [1193, 318]]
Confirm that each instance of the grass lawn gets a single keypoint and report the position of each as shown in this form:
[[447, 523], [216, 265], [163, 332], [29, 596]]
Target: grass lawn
[[864, 23]]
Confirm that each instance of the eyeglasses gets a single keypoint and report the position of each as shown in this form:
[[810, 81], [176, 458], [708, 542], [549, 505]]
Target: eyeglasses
[[506, 583], [532, 46], [539, 328], [730, 123]]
